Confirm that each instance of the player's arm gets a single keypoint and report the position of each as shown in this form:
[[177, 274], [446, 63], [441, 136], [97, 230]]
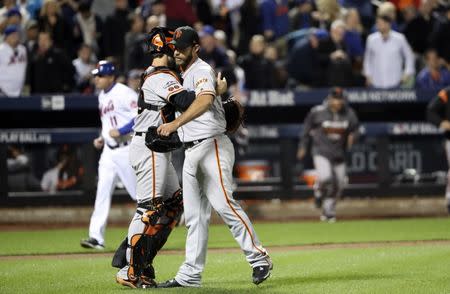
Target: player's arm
[[353, 129], [306, 136], [182, 100], [126, 129], [436, 109]]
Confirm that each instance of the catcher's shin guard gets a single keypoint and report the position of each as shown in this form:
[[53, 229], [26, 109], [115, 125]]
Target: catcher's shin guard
[[159, 219]]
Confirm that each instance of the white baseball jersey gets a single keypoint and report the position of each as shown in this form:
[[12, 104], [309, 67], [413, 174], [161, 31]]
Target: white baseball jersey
[[157, 88], [117, 106], [201, 78], [13, 63]]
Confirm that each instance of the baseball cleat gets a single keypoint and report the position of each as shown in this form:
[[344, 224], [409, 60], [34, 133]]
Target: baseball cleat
[[92, 244], [169, 284], [261, 273]]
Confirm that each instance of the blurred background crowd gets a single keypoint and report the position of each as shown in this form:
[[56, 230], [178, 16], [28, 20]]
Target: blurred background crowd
[[50, 46]]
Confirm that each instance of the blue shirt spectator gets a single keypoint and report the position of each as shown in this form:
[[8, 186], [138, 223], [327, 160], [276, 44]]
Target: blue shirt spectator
[[275, 19], [353, 44], [434, 76]]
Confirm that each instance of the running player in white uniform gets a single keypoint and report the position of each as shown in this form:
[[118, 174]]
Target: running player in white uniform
[[118, 107], [207, 170]]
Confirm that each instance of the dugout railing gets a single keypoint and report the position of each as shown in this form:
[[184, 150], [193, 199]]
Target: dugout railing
[[395, 138]]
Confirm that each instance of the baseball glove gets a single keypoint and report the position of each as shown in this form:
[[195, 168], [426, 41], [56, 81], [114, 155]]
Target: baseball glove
[[161, 144], [234, 114]]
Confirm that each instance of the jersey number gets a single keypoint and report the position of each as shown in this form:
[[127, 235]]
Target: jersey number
[[113, 121]]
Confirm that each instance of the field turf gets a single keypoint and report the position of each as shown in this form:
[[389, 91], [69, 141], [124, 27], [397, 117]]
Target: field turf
[[374, 266]]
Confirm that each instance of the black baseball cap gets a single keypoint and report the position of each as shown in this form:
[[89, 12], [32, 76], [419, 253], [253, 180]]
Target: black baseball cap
[[184, 37], [337, 93]]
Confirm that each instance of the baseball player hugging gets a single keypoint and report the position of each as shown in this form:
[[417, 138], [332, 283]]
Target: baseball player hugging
[[117, 106], [207, 170]]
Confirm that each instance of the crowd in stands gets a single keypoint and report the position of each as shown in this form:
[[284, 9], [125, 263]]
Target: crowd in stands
[[50, 46]]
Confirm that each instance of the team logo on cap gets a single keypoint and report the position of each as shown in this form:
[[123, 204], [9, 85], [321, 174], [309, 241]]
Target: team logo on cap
[[158, 42], [178, 34]]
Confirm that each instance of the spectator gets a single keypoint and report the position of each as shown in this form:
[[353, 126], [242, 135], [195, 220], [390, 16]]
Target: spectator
[[180, 13], [435, 76], [364, 8], [221, 40], [249, 24], [227, 17], [259, 72], [10, 8], [50, 20], [50, 70], [441, 35], [327, 12], [31, 36], [152, 22], [300, 16], [13, 63], [83, 65], [388, 60], [303, 60], [271, 54], [353, 35], [203, 9], [275, 19], [134, 79], [135, 47], [387, 9], [334, 61], [418, 26], [234, 75], [115, 28], [159, 10], [88, 27], [209, 52], [20, 176]]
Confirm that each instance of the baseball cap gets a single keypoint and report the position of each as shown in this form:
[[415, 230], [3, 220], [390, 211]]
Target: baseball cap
[[337, 93], [10, 29], [13, 11], [207, 30], [104, 68], [184, 37]]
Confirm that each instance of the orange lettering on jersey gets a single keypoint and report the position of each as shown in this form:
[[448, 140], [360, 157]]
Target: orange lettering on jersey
[[204, 80], [443, 96]]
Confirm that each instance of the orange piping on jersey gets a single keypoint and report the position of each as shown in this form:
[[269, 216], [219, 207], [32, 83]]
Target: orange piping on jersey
[[207, 93], [228, 200], [443, 96], [153, 175], [173, 93]]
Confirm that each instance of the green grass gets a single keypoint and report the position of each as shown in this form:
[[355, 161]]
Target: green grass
[[422, 268], [412, 269], [273, 234]]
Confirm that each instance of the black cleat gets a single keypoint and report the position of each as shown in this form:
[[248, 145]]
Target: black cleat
[[91, 243], [169, 284], [261, 273]]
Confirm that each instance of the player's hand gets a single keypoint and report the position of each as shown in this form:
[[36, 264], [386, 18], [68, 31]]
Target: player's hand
[[221, 84], [114, 133], [99, 142], [301, 153], [167, 129], [445, 125]]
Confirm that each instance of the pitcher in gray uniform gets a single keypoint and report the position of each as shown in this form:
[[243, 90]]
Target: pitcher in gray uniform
[[207, 170], [330, 129]]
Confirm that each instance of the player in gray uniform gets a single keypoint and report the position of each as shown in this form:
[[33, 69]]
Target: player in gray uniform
[[332, 127], [158, 190], [207, 170]]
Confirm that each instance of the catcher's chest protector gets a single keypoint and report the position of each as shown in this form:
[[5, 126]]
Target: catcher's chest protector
[[168, 111]]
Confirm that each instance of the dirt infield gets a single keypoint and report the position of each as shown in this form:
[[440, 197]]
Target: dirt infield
[[237, 250]]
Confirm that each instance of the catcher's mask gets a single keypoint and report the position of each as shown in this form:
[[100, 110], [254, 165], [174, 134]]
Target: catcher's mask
[[158, 41]]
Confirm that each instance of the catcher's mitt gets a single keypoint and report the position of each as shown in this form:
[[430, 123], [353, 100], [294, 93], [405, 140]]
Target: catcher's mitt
[[161, 144], [234, 114]]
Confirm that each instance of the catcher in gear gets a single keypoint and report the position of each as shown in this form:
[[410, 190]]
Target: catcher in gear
[[158, 191]]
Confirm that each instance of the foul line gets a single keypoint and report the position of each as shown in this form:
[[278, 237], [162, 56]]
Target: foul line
[[281, 248]]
